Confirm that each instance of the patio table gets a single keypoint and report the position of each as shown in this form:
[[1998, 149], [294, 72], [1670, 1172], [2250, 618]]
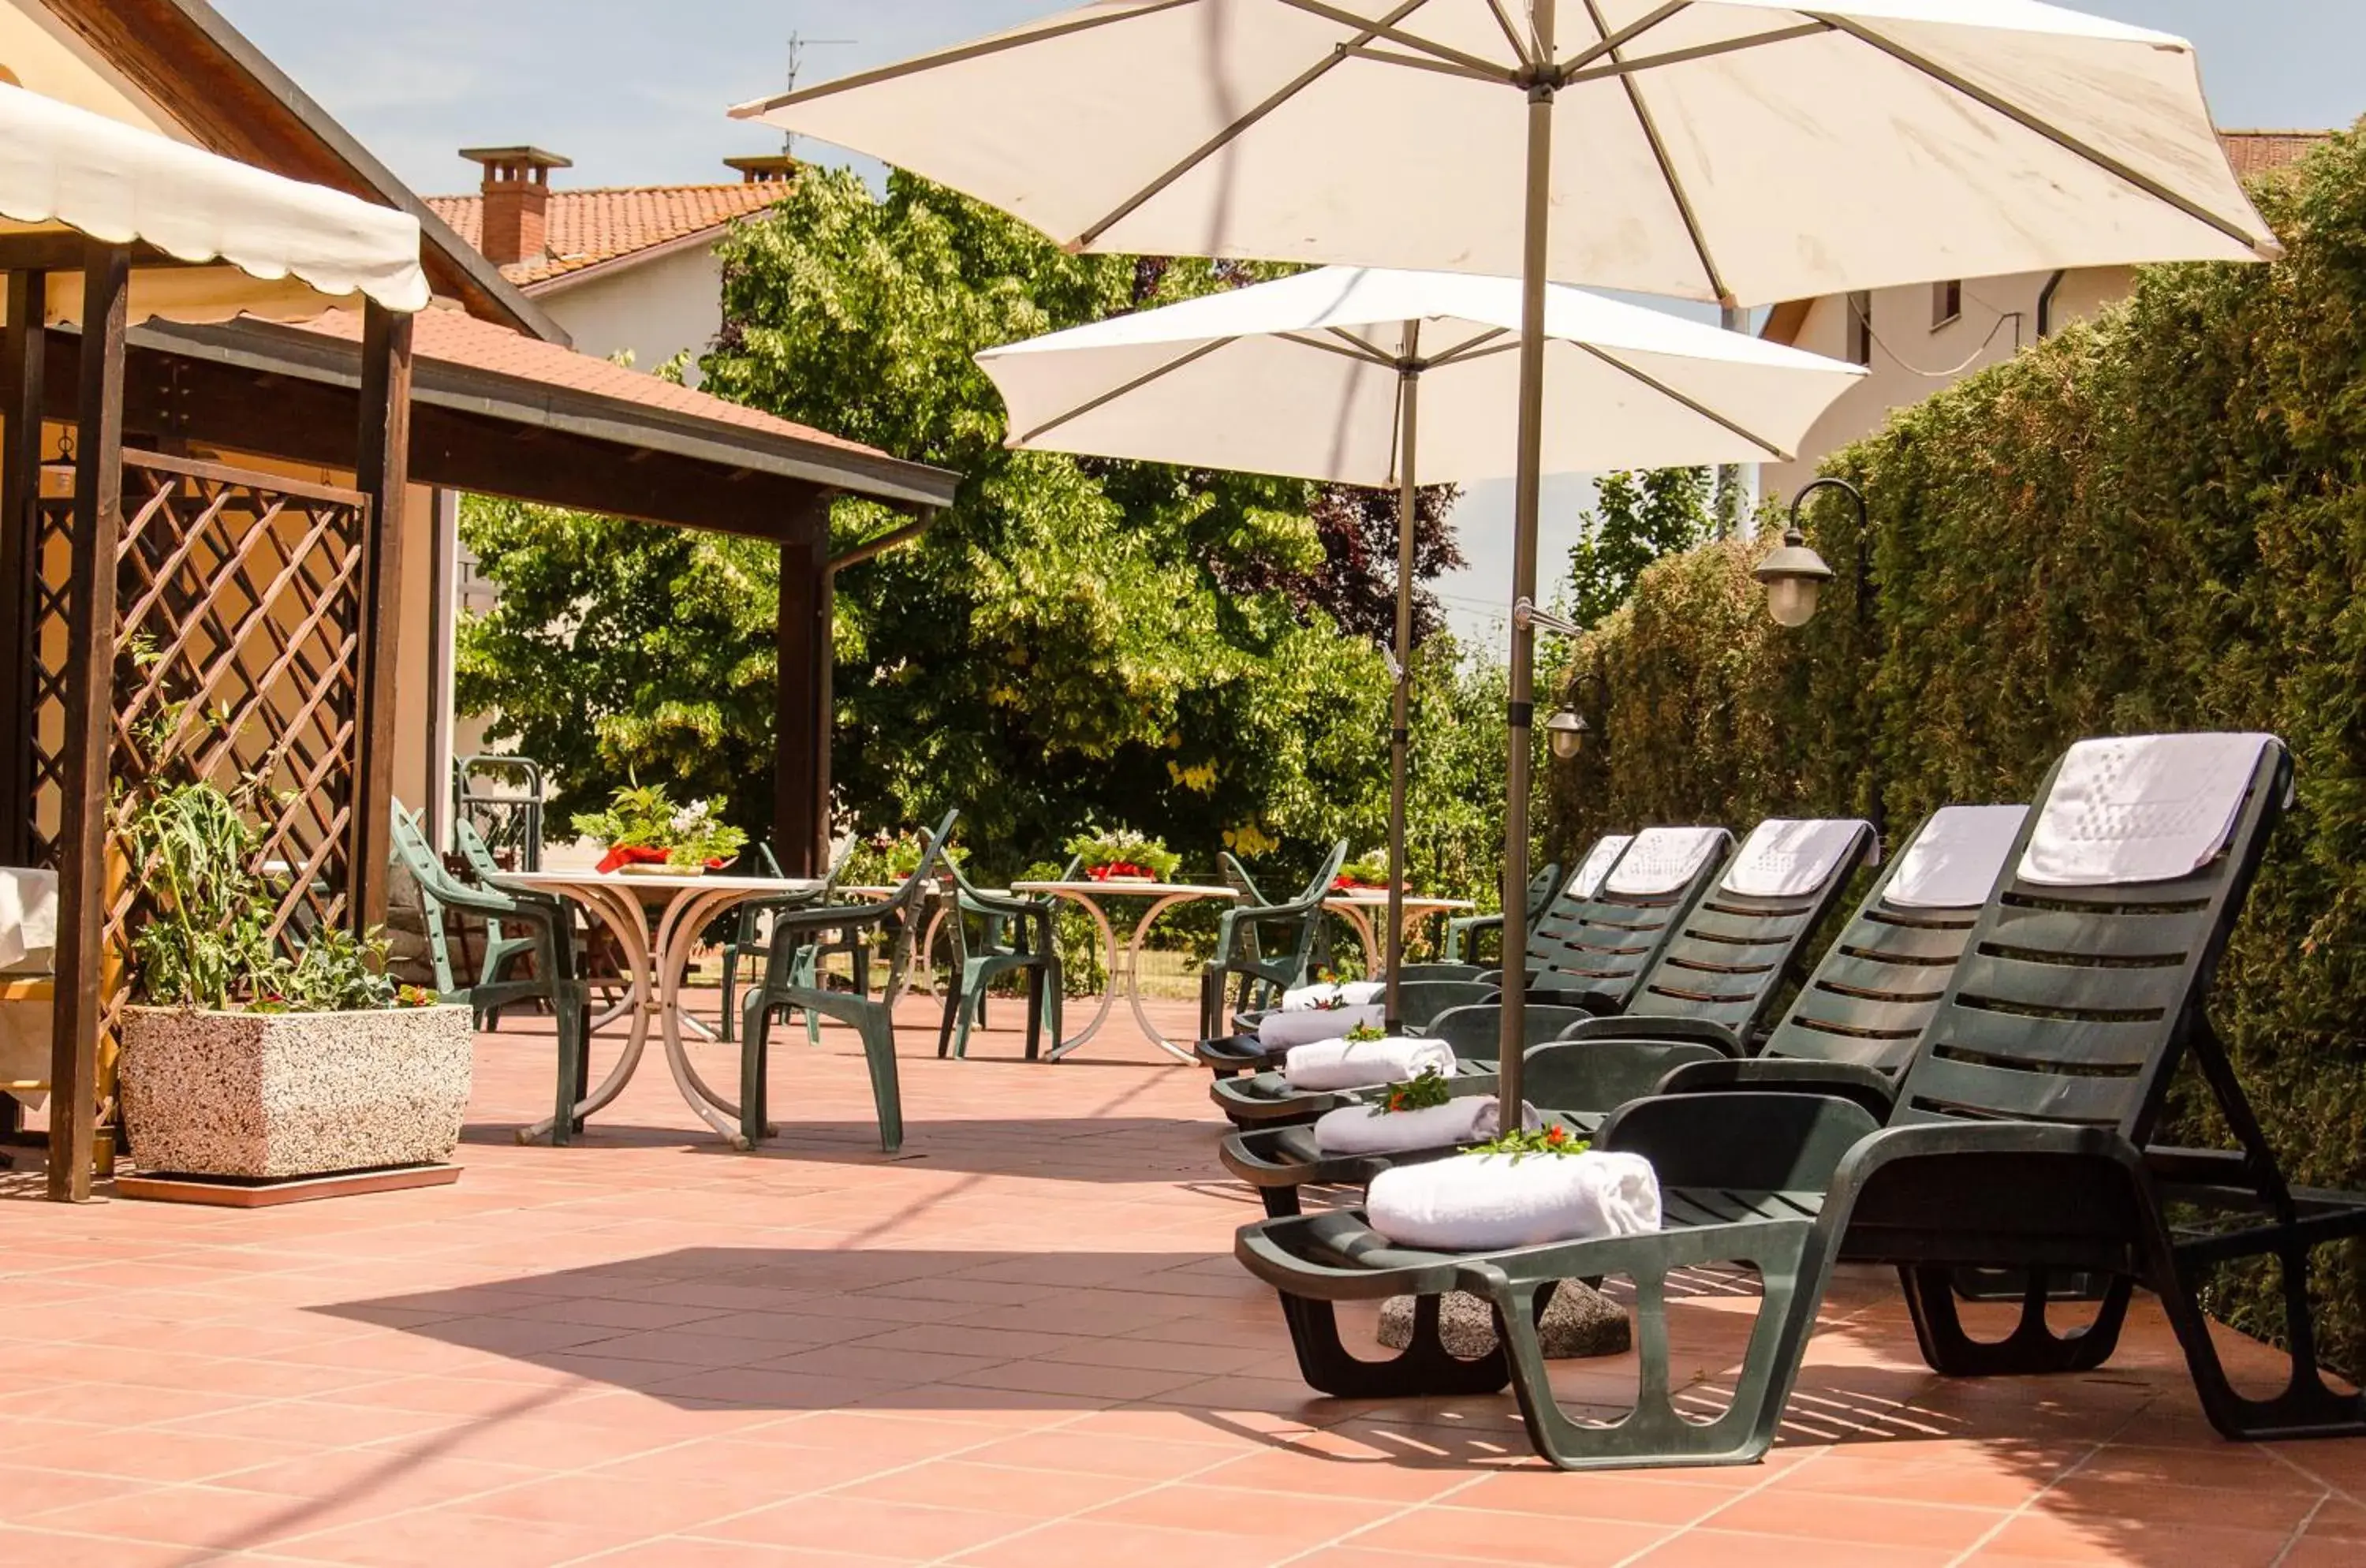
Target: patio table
[[1359, 907], [656, 919], [1164, 896]]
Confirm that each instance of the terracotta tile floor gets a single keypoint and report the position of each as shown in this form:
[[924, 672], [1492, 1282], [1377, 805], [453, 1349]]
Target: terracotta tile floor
[[1023, 1342]]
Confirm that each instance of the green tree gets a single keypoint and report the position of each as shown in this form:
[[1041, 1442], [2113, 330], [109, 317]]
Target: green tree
[[1072, 640], [1637, 519]]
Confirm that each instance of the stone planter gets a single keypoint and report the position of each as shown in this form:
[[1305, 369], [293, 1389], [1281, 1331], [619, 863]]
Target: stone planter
[[271, 1096]]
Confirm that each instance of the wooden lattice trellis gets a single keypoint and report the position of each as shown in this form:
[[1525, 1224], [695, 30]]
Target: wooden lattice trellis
[[237, 651]]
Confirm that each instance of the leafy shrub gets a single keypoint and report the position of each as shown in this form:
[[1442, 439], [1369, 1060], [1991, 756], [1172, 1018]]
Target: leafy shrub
[[2153, 520]]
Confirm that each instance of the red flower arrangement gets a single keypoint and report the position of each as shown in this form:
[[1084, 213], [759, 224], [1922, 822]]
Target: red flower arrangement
[[1119, 871]]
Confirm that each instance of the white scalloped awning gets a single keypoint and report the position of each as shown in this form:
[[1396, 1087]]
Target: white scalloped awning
[[63, 167]]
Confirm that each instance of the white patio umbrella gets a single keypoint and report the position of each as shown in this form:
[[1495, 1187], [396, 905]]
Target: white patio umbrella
[[1739, 150], [1385, 378]]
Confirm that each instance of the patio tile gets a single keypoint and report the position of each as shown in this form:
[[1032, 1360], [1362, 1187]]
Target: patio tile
[[1026, 1346]]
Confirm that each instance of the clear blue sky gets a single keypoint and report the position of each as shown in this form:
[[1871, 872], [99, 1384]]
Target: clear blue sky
[[635, 92]]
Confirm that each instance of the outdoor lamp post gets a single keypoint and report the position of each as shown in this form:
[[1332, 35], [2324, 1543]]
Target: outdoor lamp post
[[1795, 575], [1567, 731]]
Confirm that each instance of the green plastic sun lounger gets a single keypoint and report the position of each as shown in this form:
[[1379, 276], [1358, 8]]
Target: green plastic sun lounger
[[1723, 970], [1593, 953], [1241, 1052], [2020, 1139]]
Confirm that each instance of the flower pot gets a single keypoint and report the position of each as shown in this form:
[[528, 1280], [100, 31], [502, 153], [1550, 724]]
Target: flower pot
[[266, 1096]]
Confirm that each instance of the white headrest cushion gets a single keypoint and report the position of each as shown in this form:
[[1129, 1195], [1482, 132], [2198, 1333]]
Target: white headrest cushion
[[1953, 862], [1786, 859], [1662, 859], [1598, 862], [2140, 808]]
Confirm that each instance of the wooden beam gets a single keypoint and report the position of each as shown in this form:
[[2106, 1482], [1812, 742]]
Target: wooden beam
[[382, 474], [314, 423], [90, 703], [23, 360], [801, 714], [61, 250]]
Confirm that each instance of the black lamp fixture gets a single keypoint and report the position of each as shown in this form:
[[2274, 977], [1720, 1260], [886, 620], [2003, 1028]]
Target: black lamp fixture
[[1567, 729], [1794, 574]]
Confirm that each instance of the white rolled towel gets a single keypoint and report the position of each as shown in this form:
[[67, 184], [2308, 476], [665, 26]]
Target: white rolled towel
[[1364, 1064], [1488, 1202], [1280, 1031], [1357, 1129], [1354, 992]]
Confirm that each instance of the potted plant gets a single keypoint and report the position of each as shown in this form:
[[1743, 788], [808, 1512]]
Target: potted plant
[[644, 832], [1368, 874], [1123, 855], [242, 1062]]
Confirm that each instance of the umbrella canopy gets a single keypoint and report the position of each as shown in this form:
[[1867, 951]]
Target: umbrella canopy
[[1371, 376], [1728, 150], [1718, 150], [1301, 377]]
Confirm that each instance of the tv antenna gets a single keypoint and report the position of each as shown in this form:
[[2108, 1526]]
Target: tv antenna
[[798, 44]]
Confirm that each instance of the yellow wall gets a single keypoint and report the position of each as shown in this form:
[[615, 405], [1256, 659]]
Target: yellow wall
[[49, 58]]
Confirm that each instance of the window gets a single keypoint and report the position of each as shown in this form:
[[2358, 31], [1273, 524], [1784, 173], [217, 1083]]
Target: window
[[1946, 303], [1860, 328]]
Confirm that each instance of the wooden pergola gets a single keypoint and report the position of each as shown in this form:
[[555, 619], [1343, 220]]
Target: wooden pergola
[[209, 613]]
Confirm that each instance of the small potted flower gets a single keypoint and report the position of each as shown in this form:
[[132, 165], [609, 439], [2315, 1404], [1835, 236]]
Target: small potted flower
[[244, 1062], [1123, 855], [648, 834]]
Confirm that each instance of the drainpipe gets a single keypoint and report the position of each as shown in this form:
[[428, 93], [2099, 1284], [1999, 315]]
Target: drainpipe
[[2045, 302]]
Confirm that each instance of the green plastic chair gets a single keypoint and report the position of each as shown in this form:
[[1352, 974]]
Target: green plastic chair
[[794, 932], [2018, 1139], [1464, 931], [1016, 935], [1265, 969], [750, 937], [549, 923], [501, 949], [1575, 892]]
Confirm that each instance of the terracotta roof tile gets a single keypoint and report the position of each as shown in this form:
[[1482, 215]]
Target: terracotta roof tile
[[2254, 153], [457, 338], [588, 227]]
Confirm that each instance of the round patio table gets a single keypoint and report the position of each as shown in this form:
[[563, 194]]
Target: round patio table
[[1163, 896], [1360, 907], [656, 919]]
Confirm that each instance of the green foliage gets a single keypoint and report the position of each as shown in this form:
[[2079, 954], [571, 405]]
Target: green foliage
[[645, 816], [1637, 519], [1123, 846], [1427, 1088], [883, 859], [2153, 520], [1519, 1143], [1072, 639], [207, 942]]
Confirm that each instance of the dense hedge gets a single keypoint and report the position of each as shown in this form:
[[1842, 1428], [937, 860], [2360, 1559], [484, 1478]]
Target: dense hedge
[[2153, 520]]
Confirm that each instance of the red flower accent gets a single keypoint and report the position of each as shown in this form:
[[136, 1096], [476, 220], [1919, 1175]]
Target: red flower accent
[[1116, 868], [621, 855]]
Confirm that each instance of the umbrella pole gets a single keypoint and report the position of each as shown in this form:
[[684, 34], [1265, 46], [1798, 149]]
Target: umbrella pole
[[1527, 496], [1408, 507]]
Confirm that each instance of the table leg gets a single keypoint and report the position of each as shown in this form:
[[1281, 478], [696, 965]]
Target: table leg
[[1365, 938], [628, 922], [1110, 961], [677, 938], [1133, 975]]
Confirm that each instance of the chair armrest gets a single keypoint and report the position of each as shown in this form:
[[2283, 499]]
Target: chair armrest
[[1602, 1075], [1599, 1002], [1871, 1087], [1626, 1026], [1743, 1142]]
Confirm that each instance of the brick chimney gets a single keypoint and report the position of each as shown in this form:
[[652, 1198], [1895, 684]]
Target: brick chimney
[[516, 189], [772, 168]]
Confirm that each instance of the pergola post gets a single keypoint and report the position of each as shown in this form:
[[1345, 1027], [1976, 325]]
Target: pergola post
[[23, 355], [381, 472], [801, 731], [89, 732]]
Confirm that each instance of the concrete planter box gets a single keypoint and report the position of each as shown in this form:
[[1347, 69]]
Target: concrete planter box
[[264, 1096]]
